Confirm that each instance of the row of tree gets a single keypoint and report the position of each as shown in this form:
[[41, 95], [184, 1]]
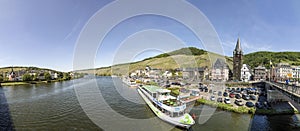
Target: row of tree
[[47, 77]]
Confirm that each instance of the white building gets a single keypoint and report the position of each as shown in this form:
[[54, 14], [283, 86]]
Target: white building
[[167, 74], [283, 70], [296, 72], [152, 73], [246, 73]]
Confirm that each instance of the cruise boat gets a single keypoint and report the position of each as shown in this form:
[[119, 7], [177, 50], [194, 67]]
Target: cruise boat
[[165, 106]]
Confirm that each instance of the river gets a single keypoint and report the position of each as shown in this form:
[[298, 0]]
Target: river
[[76, 105]]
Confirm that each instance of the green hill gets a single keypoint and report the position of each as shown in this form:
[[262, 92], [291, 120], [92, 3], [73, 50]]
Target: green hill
[[183, 51], [193, 57], [263, 57], [185, 57], [22, 68]]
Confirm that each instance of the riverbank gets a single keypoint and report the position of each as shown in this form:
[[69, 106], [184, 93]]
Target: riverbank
[[16, 83], [245, 110], [227, 107]]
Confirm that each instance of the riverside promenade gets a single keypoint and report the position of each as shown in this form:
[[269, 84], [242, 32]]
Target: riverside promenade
[[6, 123]]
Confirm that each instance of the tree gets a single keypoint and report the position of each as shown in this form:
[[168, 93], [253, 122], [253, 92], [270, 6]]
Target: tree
[[27, 77], [47, 76], [60, 75], [1, 78], [66, 76], [35, 77]]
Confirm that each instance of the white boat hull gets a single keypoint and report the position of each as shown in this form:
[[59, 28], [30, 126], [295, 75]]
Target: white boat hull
[[164, 117]]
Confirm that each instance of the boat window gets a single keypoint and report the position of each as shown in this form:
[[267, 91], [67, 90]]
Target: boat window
[[175, 114]]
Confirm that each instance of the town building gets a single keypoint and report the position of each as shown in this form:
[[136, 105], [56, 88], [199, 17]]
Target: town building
[[260, 73], [237, 60], [153, 72], [195, 73], [12, 75], [167, 74], [283, 71], [296, 72], [220, 71], [246, 73]]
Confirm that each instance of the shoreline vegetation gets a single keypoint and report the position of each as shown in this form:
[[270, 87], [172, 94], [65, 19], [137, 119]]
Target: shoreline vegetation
[[226, 107], [16, 83], [18, 75], [244, 110]]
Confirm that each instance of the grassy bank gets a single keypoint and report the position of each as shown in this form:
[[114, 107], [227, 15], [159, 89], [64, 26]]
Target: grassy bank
[[243, 109], [16, 83], [227, 107]]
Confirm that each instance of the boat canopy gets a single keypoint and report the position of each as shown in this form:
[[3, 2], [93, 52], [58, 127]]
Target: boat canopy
[[151, 88], [163, 91]]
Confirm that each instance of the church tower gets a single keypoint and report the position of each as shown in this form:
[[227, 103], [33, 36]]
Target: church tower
[[237, 61]]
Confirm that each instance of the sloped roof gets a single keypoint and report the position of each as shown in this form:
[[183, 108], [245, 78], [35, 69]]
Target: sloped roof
[[238, 45], [220, 64]]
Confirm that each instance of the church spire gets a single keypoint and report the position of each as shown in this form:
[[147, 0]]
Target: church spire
[[238, 45]]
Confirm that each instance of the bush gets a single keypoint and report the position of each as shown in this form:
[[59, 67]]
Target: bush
[[47, 76], [227, 107], [27, 77], [1, 78]]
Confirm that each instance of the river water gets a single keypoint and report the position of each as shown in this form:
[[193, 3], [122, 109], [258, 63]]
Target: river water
[[76, 105]]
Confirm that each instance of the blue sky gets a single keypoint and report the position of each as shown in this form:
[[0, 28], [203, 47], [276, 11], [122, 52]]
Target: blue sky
[[44, 33]]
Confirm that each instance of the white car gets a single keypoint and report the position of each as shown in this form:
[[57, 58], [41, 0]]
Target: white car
[[212, 98], [227, 101]]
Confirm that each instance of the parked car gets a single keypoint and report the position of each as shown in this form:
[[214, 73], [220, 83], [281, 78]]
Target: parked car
[[251, 90], [227, 89], [201, 89], [232, 90], [246, 97], [220, 99], [249, 104], [252, 97], [225, 94], [239, 102], [214, 92], [242, 89], [244, 92], [212, 98], [238, 96], [205, 89], [231, 95], [238, 90], [220, 93], [227, 101]]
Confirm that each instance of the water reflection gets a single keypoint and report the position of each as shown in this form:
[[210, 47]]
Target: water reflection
[[55, 106]]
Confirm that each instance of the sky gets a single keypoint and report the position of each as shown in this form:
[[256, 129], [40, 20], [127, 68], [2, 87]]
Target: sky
[[45, 33]]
